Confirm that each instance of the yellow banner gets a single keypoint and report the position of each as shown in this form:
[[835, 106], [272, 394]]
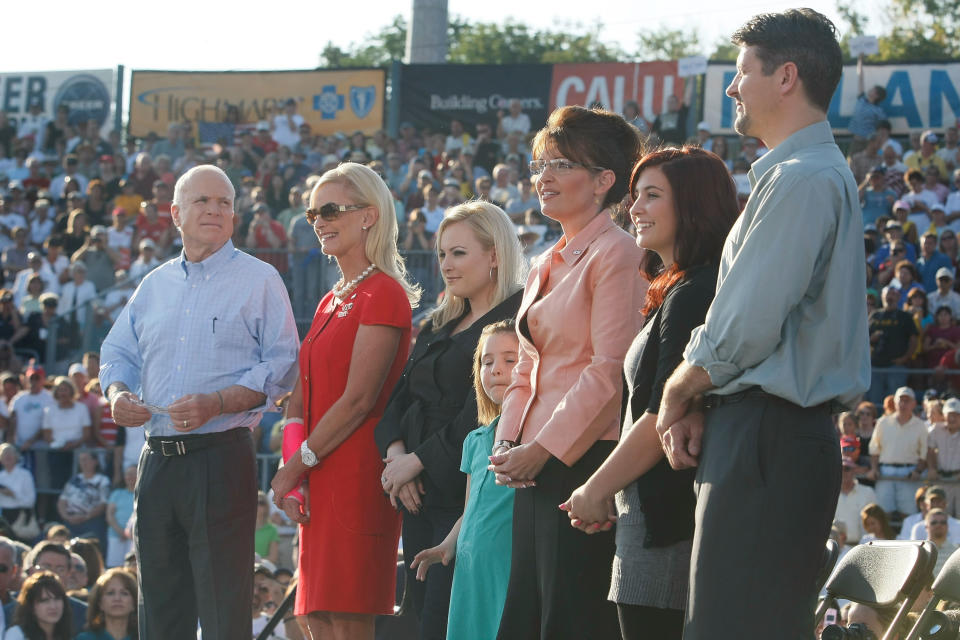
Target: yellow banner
[[330, 101]]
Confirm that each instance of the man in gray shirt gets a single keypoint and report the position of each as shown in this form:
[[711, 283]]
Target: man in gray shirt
[[784, 344]]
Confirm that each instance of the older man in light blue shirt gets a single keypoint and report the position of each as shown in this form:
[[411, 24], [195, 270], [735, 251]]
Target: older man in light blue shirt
[[205, 345]]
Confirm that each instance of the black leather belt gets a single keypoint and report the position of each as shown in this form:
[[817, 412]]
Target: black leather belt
[[170, 446], [715, 401]]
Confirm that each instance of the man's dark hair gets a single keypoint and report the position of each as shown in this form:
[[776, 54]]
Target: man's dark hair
[[801, 36], [881, 93], [43, 547]]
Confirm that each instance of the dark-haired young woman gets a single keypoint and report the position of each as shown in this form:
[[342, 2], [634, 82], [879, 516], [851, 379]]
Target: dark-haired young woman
[[684, 206]]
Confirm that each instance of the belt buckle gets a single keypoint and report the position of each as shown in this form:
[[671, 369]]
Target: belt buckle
[[177, 448]]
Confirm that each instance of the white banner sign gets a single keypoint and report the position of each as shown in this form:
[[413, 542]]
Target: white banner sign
[[919, 96], [866, 45], [90, 95], [693, 66]]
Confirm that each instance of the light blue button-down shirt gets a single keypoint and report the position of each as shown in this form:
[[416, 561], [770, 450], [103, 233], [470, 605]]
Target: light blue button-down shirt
[[789, 315], [196, 327]]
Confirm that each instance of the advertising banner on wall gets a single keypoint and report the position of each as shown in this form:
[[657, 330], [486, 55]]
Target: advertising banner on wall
[[433, 94], [89, 94], [330, 101], [613, 84], [919, 96]]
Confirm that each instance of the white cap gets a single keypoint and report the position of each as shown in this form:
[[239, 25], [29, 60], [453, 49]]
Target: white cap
[[905, 391], [703, 126], [951, 406], [76, 367]]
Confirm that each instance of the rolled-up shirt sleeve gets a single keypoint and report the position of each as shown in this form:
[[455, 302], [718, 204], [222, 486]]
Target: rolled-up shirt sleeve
[[275, 373], [772, 270]]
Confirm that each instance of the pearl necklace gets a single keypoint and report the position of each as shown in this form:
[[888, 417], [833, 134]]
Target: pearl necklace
[[341, 290]]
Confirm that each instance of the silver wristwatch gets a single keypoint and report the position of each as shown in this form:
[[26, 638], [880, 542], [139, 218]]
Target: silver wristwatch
[[308, 457]]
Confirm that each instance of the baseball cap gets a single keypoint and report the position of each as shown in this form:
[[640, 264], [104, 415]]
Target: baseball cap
[[147, 243], [944, 272], [951, 406], [703, 126], [75, 368], [900, 204], [905, 391], [929, 136], [893, 224], [35, 369]]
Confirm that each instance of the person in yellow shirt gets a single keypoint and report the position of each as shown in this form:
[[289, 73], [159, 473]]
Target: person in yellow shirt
[[927, 156]]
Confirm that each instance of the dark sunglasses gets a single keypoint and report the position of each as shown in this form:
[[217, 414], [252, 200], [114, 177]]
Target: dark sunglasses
[[933, 522], [331, 211]]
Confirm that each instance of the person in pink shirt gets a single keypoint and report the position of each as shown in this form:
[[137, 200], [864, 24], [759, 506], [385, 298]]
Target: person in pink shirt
[[580, 311]]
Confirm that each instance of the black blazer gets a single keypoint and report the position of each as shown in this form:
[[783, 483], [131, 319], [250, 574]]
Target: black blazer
[[434, 406], [666, 496]]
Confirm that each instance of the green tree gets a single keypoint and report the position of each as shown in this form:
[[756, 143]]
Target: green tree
[[665, 43], [919, 29], [384, 46], [725, 50], [922, 29], [516, 42], [483, 43]]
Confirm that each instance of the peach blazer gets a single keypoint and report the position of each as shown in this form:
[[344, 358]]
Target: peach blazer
[[579, 314]]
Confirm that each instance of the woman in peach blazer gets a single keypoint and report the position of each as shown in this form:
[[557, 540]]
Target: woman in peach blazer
[[560, 420]]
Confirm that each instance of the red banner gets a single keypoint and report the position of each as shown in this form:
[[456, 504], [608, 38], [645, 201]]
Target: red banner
[[612, 84]]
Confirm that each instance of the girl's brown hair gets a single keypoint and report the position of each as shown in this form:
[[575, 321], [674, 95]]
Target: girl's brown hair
[[487, 409]]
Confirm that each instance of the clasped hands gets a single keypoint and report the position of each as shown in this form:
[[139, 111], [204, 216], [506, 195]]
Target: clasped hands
[[188, 413], [401, 479], [517, 467]]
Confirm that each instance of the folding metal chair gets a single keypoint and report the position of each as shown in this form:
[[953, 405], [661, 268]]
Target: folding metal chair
[[882, 574], [945, 587]]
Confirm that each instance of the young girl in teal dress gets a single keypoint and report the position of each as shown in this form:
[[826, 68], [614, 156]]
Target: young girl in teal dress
[[481, 538]]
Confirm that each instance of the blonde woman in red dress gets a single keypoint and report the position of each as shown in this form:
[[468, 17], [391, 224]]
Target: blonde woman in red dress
[[350, 361]]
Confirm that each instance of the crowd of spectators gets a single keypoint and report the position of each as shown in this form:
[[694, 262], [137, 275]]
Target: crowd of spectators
[[83, 218]]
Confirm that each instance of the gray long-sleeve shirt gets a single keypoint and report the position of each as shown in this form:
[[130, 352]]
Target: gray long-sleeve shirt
[[789, 315]]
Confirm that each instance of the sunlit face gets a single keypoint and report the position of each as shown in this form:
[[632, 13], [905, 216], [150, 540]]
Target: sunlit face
[[205, 212], [849, 426], [116, 600], [48, 608], [63, 393], [55, 562], [755, 93], [497, 360], [905, 404], [467, 266], [345, 234], [565, 194], [654, 215]]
